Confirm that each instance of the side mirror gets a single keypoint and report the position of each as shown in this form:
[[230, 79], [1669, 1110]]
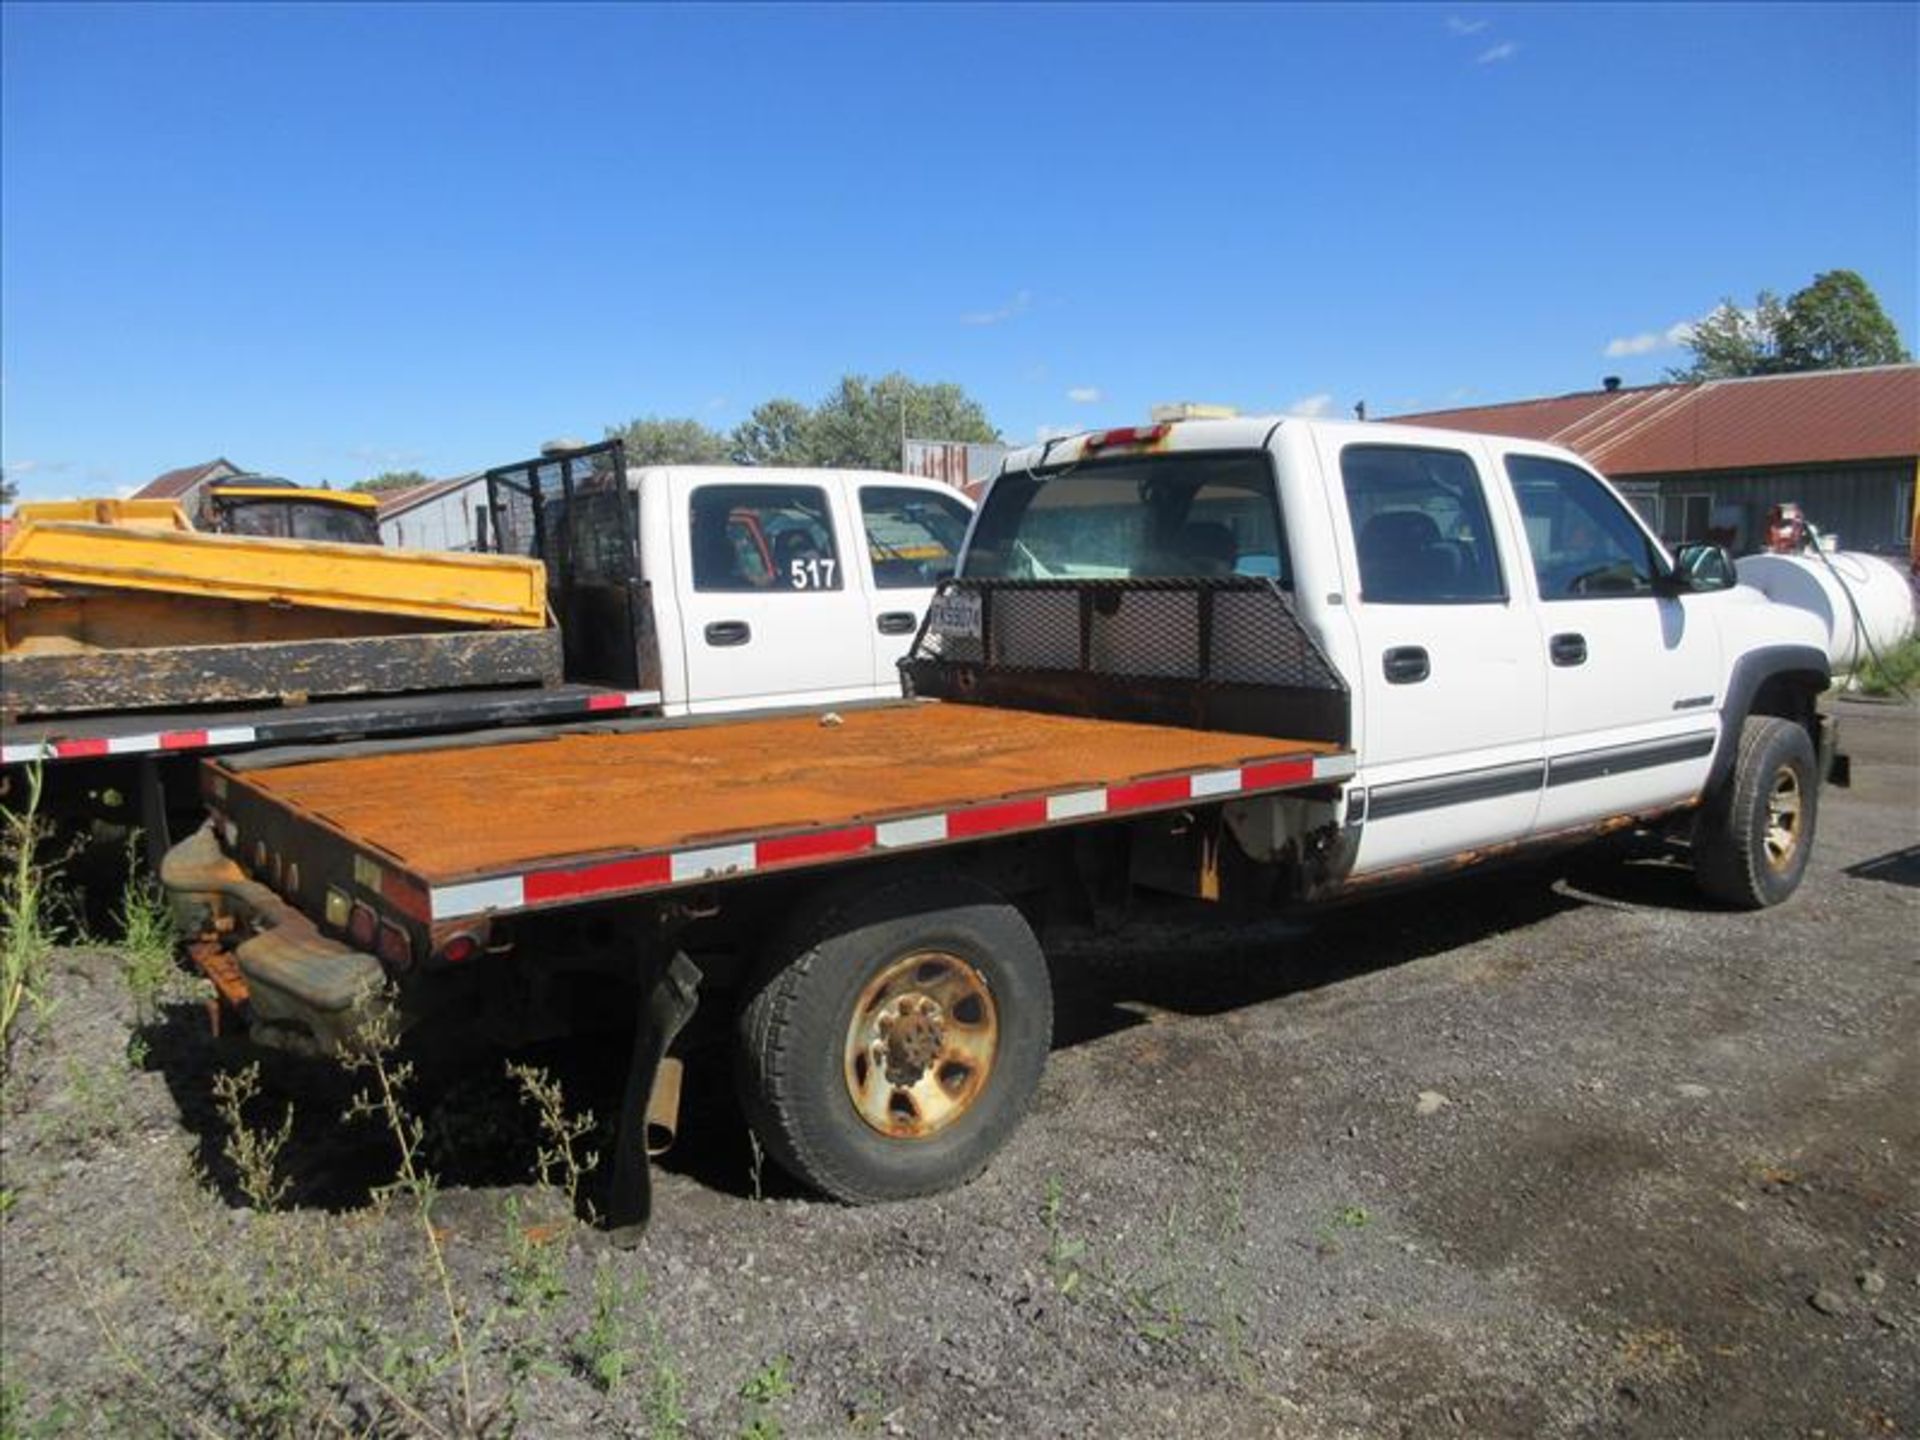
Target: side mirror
[[1700, 567]]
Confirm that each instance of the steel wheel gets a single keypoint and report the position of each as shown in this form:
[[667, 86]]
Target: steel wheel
[[1783, 818], [920, 1044]]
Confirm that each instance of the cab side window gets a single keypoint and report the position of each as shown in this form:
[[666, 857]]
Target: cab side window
[[912, 535], [1420, 526], [1583, 541], [763, 538]]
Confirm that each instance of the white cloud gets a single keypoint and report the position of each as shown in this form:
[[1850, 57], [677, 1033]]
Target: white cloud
[[1649, 341], [1085, 395], [385, 459], [1309, 407], [1505, 50], [1465, 27], [1019, 305]]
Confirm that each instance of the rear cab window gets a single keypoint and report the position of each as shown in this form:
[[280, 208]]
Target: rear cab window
[[763, 539], [1420, 526], [1198, 514]]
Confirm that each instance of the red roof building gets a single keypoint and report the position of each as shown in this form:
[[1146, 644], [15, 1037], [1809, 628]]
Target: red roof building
[[1706, 460], [186, 483]]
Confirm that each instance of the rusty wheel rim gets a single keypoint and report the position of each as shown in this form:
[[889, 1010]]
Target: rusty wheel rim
[[921, 1044], [1783, 818]]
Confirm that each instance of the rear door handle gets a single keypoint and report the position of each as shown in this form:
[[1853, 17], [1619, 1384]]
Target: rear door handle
[[729, 632], [1407, 665], [897, 622], [1568, 649]]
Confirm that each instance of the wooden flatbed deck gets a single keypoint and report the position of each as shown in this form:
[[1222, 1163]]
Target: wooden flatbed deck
[[570, 815]]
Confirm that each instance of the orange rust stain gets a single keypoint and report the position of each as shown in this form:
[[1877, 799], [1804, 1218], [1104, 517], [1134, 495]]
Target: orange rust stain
[[219, 966], [486, 808]]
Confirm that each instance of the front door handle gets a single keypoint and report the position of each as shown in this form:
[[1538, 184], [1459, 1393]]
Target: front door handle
[[1568, 649], [1407, 665], [897, 622], [729, 632]]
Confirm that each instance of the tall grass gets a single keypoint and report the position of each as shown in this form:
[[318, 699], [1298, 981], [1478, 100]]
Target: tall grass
[[27, 930], [1891, 672]]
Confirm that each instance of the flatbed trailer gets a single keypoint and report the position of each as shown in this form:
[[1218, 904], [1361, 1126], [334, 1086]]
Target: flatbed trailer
[[456, 884]]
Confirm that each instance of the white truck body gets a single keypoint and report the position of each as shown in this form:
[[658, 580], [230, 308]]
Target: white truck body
[[826, 627], [1542, 710]]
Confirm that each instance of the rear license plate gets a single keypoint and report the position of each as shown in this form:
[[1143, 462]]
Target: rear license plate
[[956, 616]]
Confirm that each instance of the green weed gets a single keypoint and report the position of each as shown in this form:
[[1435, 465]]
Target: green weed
[[604, 1351], [149, 940], [253, 1153], [1892, 672], [562, 1162], [763, 1392], [27, 931]]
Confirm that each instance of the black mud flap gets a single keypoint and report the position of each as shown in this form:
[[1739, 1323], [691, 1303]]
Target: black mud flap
[[666, 1005]]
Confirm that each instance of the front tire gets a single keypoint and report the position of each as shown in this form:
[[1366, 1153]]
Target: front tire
[[891, 1042], [1755, 836]]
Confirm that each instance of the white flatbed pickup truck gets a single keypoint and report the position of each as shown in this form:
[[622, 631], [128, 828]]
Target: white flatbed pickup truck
[[1258, 663], [680, 590]]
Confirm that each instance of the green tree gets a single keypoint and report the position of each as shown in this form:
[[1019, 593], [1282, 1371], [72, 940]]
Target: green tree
[[7, 490], [1836, 323], [650, 440], [861, 422], [388, 481], [1732, 342], [777, 433]]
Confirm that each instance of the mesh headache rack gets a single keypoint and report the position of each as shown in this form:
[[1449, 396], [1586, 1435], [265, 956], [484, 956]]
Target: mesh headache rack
[[1206, 653]]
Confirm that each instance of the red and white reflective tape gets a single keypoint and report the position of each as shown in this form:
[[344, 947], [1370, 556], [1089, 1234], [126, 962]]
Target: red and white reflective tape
[[221, 736], [625, 700], [127, 744], [685, 867]]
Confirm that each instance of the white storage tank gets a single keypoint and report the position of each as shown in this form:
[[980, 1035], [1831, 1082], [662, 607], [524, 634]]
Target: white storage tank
[[1882, 598]]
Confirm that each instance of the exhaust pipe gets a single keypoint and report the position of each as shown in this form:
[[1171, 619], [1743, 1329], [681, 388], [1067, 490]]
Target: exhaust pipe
[[663, 1106]]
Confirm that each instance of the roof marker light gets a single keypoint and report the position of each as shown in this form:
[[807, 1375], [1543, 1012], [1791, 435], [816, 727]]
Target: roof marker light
[[1128, 435]]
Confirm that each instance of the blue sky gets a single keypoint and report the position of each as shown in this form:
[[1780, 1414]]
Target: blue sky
[[334, 240]]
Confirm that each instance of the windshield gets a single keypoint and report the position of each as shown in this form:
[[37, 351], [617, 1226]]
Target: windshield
[[1163, 515], [300, 520]]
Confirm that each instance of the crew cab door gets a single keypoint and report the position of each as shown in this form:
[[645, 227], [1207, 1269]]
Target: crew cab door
[[1632, 676], [913, 535], [1449, 690], [770, 614]]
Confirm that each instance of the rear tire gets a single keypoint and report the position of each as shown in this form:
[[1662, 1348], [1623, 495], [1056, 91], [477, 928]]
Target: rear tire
[[1754, 838], [892, 1040]]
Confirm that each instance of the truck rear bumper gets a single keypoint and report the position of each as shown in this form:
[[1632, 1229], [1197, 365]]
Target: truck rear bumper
[[299, 989]]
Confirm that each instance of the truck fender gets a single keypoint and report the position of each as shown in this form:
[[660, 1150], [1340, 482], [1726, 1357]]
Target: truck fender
[[1751, 673]]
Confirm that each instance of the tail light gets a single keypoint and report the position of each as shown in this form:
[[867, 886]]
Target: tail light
[[362, 925], [459, 949], [394, 948]]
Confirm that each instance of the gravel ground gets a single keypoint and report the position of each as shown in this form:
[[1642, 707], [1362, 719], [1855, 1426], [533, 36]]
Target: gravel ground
[[1556, 1152]]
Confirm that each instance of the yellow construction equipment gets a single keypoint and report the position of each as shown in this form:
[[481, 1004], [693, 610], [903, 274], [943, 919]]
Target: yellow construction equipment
[[290, 512], [120, 605], [131, 545]]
